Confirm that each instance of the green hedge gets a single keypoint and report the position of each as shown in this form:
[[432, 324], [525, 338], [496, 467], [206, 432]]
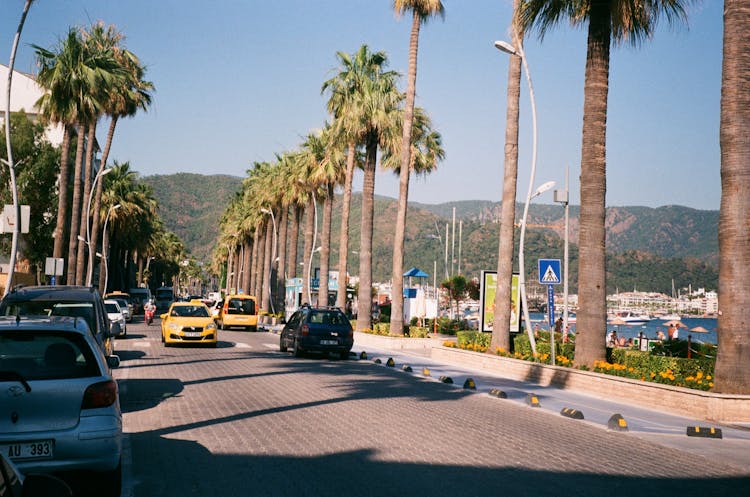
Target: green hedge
[[644, 363], [522, 346], [466, 338]]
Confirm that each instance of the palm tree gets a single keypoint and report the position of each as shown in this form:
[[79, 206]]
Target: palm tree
[[501, 320], [617, 21], [421, 11], [126, 96], [732, 371]]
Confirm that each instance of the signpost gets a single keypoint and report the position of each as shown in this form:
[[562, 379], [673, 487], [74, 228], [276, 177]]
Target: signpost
[[54, 267], [549, 274]]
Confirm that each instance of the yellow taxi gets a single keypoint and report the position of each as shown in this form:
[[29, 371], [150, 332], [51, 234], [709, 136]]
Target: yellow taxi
[[238, 311], [188, 322]]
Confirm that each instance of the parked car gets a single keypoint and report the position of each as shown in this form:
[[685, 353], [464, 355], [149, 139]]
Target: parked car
[[124, 300], [14, 484], [188, 322], [317, 330], [61, 412], [116, 315], [76, 301], [238, 311]]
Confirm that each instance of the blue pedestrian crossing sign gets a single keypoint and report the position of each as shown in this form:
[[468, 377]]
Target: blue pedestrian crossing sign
[[549, 271]]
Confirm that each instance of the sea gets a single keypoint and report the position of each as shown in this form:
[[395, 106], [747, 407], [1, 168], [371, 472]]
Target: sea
[[649, 329]]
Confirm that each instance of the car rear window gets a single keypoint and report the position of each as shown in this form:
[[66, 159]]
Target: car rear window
[[46, 355], [112, 308], [52, 308], [241, 306], [327, 317], [195, 311]]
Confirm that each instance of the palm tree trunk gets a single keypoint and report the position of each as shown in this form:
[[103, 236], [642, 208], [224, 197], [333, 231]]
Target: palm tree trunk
[[61, 233], [733, 331], [267, 253], [397, 306], [306, 251], [89, 175], [258, 262], [325, 246], [502, 318], [75, 212], [344, 232], [281, 266], [98, 197], [364, 296], [247, 264], [291, 263], [102, 273], [592, 314]]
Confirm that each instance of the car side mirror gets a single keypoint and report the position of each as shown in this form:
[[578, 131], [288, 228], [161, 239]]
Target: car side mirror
[[164, 316], [113, 361]]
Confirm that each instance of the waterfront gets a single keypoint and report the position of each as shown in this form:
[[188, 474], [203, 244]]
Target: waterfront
[[651, 328]]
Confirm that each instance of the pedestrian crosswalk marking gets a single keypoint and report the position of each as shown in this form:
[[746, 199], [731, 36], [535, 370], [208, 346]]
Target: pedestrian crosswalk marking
[[241, 345], [550, 276], [271, 345], [142, 344]]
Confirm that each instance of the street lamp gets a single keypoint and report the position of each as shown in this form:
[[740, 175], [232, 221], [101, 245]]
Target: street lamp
[[273, 257], [506, 47], [90, 272], [562, 197], [105, 249]]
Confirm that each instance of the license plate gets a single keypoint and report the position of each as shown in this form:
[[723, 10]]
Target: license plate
[[192, 334], [329, 342], [40, 449]]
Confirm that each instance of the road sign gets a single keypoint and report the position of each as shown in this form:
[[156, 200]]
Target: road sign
[[8, 219], [549, 271], [551, 305]]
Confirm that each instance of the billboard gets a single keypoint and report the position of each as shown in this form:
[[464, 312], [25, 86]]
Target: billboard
[[487, 298]]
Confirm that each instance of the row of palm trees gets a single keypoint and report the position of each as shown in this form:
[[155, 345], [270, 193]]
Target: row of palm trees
[[260, 229], [87, 76], [361, 109]]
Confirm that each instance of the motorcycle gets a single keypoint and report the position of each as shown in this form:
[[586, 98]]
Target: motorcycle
[[149, 315]]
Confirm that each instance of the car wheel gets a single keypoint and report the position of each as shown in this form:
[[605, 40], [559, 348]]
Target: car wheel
[[297, 350], [282, 345]]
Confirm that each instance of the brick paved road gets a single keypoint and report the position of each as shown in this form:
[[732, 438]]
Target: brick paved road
[[243, 419]]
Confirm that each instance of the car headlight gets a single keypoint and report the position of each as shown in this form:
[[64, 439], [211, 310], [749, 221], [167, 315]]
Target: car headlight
[[211, 326], [175, 327]]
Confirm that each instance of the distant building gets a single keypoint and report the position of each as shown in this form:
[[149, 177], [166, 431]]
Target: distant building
[[24, 94]]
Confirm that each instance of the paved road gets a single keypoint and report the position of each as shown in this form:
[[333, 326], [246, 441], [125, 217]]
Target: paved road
[[244, 419]]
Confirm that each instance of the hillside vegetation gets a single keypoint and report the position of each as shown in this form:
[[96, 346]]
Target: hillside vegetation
[[648, 247]]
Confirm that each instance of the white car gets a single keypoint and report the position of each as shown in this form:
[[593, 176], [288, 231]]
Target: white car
[[115, 314]]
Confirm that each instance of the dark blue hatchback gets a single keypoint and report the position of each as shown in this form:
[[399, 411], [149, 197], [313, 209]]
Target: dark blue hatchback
[[317, 330]]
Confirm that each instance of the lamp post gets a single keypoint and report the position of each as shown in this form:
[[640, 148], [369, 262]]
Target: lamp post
[[105, 247], [273, 258], [506, 47], [562, 197], [90, 270]]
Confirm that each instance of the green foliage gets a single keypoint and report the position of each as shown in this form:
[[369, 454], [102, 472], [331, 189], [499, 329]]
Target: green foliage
[[522, 346], [644, 364], [470, 338], [381, 329], [418, 332]]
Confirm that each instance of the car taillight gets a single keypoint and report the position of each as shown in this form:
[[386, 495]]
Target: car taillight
[[305, 330], [102, 394]]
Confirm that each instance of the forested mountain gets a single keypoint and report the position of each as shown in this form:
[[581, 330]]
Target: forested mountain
[[648, 247]]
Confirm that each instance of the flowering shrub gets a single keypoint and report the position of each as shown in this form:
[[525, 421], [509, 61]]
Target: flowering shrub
[[699, 380]]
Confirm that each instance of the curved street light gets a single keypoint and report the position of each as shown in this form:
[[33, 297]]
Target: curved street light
[[506, 47], [90, 270], [105, 250]]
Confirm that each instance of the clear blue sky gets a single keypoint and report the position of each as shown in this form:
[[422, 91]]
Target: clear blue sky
[[239, 80]]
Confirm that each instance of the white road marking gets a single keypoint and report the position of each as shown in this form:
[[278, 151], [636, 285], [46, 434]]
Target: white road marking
[[142, 344], [241, 345], [271, 345]]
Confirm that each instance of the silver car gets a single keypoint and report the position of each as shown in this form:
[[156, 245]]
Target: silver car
[[60, 410], [116, 315]]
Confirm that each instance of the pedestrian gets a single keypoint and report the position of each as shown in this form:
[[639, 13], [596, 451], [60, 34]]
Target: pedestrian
[[559, 325]]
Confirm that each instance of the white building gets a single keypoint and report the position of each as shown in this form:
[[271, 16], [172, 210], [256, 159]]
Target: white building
[[24, 95]]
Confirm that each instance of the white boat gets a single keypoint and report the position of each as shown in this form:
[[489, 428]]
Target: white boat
[[633, 319], [670, 317]]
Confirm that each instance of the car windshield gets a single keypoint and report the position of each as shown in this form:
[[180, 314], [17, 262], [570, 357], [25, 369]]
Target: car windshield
[[122, 302], [241, 306], [44, 355], [112, 308], [47, 308], [327, 317], [194, 311]]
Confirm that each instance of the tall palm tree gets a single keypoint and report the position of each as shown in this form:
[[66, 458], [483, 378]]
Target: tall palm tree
[[732, 371], [421, 11], [125, 97], [344, 89], [609, 21], [501, 319]]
